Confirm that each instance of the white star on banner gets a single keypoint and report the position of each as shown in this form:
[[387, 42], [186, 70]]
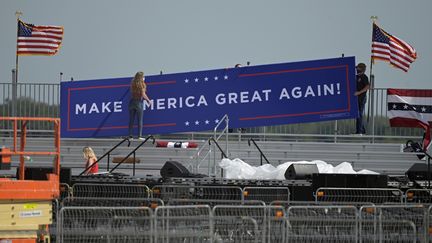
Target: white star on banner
[[216, 78], [394, 106], [405, 107], [196, 122], [196, 80], [186, 80], [187, 123], [226, 77], [423, 109], [207, 122], [217, 121], [205, 79]]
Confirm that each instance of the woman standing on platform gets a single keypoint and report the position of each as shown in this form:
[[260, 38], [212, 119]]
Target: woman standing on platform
[[90, 157], [138, 91]]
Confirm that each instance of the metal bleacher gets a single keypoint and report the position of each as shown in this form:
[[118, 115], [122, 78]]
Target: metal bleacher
[[387, 158]]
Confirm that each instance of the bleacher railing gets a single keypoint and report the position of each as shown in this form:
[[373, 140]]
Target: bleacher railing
[[107, 154], [133, 153], [262, 155], [208, 151]]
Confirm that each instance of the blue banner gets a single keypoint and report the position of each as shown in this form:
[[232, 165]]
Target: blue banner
[[308, 91]]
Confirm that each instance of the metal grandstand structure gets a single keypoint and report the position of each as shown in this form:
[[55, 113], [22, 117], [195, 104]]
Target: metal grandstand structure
[[147, 208]]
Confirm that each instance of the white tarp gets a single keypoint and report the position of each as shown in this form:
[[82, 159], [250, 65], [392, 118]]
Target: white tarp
[[238, 169]]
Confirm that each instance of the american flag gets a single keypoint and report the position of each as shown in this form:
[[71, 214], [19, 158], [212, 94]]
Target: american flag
[[411, 108], [391, 49], [38, 39]]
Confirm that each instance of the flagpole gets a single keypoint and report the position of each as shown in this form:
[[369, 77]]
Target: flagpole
[[17, 14], [15, 79], [372, 87], [373, 18]]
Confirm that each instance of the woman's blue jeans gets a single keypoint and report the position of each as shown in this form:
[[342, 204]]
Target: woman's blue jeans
[[135, 109]]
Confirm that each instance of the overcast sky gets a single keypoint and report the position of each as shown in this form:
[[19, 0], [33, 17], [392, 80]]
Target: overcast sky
[[111, 38]]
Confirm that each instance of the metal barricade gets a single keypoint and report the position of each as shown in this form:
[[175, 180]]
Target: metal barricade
[[418, 196], [237, 229], [102, 224], [429, 224], [111, 202], [183, 224], [237, 223], [359, 196], [266, 194], [110, 190], [212, 203], [55, 212], [167, 192], [286, 205], [322, 224], [393, 223], [65, 191]]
